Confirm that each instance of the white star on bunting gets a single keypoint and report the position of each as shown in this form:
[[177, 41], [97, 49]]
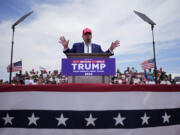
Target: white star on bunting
[[145, 119], [7, 119], [119, 120], [33, 119], [90, 120], [61, 120], [166, 118]]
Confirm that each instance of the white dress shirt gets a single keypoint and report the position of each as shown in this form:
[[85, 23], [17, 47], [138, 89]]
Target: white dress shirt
[[86, 48]]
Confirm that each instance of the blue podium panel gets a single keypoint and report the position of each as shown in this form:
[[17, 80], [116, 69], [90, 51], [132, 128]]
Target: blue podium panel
[[88, 66]]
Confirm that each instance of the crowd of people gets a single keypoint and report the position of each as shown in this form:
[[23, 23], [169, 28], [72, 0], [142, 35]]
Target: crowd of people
[[132, 76], [35, 77], [129, 76]]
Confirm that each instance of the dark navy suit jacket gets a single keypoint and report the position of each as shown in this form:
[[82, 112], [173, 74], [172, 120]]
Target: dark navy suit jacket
[[79, 48]]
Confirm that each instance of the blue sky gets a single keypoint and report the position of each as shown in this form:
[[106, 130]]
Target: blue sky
[[36, 39], [10, 9]]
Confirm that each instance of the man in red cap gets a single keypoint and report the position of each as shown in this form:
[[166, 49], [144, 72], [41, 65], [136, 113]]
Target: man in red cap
[[87, 46]]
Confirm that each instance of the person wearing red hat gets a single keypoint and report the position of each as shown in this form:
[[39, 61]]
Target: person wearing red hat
[[87, 46]]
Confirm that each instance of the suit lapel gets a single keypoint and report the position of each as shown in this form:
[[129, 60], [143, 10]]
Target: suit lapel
[[82, 47], [93, 47]]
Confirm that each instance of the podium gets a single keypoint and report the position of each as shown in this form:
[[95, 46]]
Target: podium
[[89, 79]]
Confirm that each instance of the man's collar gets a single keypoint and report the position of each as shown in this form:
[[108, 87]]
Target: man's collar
[[88, 44]]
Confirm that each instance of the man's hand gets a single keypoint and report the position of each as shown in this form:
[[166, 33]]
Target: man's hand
[[64, 42], [114, 45]]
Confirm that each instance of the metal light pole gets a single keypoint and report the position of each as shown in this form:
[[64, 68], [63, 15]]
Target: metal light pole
[[152, 23], [13, 30]]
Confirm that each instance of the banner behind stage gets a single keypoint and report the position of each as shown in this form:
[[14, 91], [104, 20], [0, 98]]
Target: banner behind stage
[[90, 109]]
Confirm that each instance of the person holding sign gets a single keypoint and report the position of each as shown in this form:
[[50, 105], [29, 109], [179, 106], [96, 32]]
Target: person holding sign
[[87, 46]]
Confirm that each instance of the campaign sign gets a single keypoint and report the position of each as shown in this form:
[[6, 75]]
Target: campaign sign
[[88, 66]]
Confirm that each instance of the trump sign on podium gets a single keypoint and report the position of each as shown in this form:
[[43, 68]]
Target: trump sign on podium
[[88, 66]]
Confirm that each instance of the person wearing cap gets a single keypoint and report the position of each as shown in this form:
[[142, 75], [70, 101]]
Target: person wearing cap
[[87, 46]]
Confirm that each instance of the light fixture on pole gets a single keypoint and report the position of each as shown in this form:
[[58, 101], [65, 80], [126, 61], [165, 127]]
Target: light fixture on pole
[[13, 30], [152, 23]]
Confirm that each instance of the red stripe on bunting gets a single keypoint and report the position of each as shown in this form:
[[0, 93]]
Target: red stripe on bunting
[[90, 88]]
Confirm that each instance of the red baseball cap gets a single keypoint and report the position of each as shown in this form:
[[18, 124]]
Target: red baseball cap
[[86, 30]]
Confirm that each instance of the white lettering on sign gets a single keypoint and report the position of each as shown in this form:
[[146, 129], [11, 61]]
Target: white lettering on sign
[[87, 66], [92, 66], [74, 66], [95, 66], [102, 66], [81, 66]]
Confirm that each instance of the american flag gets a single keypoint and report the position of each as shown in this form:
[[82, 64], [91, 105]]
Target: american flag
[[148, 64], [17, 66]]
